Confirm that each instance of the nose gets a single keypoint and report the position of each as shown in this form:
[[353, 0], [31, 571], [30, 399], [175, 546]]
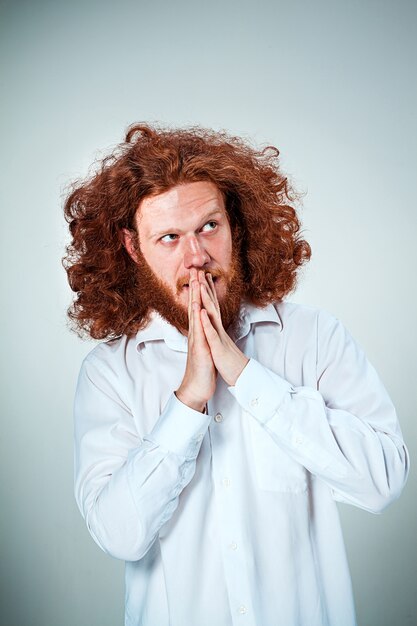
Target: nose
[[195, 254]]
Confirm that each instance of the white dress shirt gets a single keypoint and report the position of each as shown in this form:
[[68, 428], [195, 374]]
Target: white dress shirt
[[229, 518]]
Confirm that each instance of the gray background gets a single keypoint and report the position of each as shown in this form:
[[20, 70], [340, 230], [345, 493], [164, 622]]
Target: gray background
[[333, 85]]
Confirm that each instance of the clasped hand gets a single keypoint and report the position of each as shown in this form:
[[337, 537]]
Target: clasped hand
[[210, 349]]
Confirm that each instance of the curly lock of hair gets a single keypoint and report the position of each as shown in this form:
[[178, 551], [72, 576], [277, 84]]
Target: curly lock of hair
[[152, 160]]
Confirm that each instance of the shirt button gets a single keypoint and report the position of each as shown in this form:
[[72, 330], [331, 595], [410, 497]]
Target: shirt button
[[218, 417], [226, 482], [242, 609], [233, 545], [254, 402], [299, 440]]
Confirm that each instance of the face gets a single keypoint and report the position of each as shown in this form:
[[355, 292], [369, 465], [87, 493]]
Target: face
[[186, 227]]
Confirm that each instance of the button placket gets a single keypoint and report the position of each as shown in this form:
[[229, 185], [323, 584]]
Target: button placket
[[228, 494]]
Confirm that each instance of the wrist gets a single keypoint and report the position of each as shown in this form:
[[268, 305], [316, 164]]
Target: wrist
[[189, 401], [239, 366]]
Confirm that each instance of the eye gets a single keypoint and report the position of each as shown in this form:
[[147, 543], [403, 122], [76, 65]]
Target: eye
[[209, 226], [168, 238]]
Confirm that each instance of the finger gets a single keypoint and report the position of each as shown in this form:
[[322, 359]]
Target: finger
[[199, 336], [211, 308], [210, 301], [196, 305], [190, 299], [190, 307], [204, 280], [210, 283], [210, 332], [195, 287], [214, 292], [194, 296]]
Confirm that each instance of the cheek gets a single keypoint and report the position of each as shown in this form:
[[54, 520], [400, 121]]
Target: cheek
[[224, 252], [169, 272], [158, 264]]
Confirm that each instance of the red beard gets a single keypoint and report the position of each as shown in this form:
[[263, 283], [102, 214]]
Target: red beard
[[160, 297]]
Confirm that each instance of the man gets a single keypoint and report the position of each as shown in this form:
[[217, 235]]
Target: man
[[218, 425]]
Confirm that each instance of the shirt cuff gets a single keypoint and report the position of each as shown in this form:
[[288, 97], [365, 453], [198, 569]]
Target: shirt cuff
[[259, 391], [179, 429]]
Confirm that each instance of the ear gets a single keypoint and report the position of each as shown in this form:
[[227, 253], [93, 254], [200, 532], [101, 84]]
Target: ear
[[127, 237]]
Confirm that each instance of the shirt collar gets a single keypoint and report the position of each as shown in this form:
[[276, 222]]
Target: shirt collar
[[159, 329], [250, 314]]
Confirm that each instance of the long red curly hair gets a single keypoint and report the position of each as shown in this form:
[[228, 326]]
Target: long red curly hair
[[257, 197]]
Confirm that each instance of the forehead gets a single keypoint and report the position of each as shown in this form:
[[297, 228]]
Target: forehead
[[188, 200]]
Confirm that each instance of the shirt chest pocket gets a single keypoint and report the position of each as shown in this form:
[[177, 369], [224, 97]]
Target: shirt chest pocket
[[275, 470]]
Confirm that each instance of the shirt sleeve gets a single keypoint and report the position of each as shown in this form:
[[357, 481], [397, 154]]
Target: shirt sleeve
[[345, 431], [127, 488]]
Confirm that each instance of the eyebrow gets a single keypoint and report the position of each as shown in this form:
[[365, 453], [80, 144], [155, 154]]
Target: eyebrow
[[204, 220]]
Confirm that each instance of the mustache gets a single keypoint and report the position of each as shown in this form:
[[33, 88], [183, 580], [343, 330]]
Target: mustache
[[185, 280]]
